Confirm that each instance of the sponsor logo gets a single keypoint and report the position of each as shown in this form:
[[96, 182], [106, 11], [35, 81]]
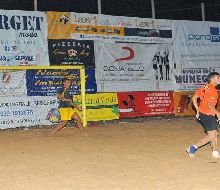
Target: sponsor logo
[[22, 34], [71, 44], [26, 58], [184, 103], [72, 53], [90, 20], [122, 22], [10, 48], [131, 69], [128, 104], [129, 57], [98, 30], [23, 59], [64, 19], [148, 33], [6, 77], [144, 24], [214, 36], [17, 22]]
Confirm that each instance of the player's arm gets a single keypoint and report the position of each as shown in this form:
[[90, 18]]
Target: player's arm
[[195, 103], [60, 97], [76, 106]]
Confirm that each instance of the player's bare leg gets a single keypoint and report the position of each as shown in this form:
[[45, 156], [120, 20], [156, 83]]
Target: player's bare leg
[[214, 142], [211, 135], [212, 138], [61, 125], [77, 118]]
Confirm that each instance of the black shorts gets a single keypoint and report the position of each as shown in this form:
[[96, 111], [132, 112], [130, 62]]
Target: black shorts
[[209, 122]]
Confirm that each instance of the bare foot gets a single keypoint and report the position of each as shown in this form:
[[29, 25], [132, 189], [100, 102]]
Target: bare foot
[[85, 134]]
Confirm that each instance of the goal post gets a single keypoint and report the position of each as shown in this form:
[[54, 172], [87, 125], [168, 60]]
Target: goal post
[[82, 80]]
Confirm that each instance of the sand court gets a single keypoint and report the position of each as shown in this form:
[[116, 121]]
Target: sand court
[[146, 155]]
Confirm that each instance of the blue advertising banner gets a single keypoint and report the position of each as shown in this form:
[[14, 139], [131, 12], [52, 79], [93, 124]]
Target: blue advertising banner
[[148, 33], [46, 82]]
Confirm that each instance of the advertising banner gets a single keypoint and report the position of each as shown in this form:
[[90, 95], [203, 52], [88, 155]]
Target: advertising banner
[[183, 105], [26, 111], [84, 26], [12, 83], [58, 25], [196, 52], [114, 28], [23, 38], [123, 67], [71, 52], [101, 106], [46, 82], [140, 104], [190, 79]]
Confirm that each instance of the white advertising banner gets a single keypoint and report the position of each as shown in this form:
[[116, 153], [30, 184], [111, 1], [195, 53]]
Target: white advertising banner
[[125, 67], [27, 111], [13, 83], [116, 28], [23, 38], [196, 49]]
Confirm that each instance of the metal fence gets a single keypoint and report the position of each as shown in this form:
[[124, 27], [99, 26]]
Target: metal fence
[[160, 9]]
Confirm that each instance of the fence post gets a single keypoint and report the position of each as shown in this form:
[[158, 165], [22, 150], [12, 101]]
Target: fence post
[[99, 7], [203, 11], [35, 5], [153, 9]]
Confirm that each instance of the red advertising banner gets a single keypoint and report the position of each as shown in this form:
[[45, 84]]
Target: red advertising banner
[[140, 104]]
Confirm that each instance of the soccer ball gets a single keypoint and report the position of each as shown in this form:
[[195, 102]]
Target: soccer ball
[[54, 116]]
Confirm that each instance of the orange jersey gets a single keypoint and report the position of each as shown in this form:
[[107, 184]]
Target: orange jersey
[[207, 93]]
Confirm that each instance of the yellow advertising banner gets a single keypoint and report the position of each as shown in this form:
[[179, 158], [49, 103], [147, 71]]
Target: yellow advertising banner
[[61, 27], [99, 30], [101, 106], [58, 25], [183, 104]]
